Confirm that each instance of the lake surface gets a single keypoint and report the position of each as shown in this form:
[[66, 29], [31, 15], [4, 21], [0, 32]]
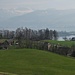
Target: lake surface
[[68, 37]]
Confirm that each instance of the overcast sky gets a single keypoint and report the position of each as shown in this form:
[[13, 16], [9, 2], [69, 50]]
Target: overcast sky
[[38, 4]]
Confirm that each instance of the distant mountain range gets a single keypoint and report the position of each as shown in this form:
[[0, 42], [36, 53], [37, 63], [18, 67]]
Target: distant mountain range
[[61, 20], [9, 13]]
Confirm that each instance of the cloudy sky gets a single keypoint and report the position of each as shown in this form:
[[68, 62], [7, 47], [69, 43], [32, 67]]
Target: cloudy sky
[[38, 4]]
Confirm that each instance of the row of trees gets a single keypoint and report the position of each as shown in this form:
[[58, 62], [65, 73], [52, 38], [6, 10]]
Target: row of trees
[[30, 34], [28, 38], [6, 34], [43, 34]]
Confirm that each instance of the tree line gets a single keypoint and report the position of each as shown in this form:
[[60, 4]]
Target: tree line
[[25, 33], [42, 34], [28, 38]]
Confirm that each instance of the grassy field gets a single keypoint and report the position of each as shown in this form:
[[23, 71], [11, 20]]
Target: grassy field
[[35, 62], [64, 43]]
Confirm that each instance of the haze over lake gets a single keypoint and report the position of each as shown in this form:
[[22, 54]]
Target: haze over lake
[[53, 14]]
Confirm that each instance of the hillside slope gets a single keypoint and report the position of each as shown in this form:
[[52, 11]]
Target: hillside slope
[[35, 62]]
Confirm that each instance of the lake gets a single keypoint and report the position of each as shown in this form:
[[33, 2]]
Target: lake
[[68, 37]]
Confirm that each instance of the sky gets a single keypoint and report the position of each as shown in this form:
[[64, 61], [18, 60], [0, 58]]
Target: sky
[[38, 4]]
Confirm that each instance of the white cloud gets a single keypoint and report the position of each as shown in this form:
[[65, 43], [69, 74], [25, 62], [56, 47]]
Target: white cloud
[[17, 11], [22, 10]]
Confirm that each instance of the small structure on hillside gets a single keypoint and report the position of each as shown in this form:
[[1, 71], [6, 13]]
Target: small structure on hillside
[[4, 45], [10, 41]]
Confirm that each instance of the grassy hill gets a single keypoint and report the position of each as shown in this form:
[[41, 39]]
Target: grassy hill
[[35, 62]]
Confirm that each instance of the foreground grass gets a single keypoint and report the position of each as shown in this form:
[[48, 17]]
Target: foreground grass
[[4, 73], [35, 62]]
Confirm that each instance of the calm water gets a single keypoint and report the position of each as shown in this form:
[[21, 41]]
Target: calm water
[[68, 37]]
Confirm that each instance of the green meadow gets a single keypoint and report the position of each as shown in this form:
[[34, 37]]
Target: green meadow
[[35, 62], [63, 43]]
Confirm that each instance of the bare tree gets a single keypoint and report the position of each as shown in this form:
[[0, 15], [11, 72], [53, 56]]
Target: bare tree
[[55, 35]]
